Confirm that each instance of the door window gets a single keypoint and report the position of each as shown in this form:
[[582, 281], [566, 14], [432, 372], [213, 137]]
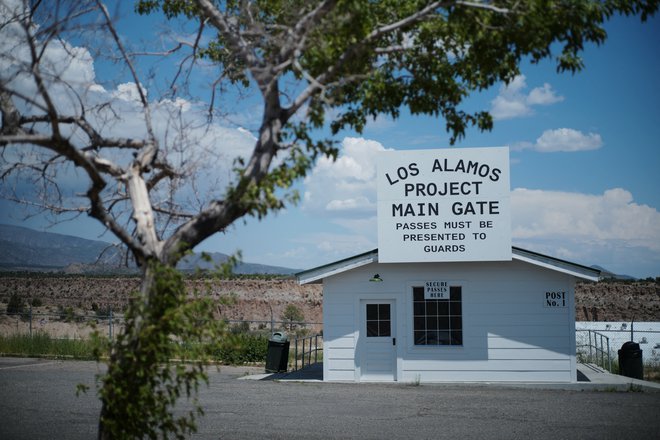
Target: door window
[[378, 320]]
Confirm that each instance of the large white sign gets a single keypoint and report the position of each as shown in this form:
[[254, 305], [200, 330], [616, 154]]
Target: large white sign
[[444, 205]]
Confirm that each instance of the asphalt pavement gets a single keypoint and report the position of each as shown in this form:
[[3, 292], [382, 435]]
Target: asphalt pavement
[[38, 401]]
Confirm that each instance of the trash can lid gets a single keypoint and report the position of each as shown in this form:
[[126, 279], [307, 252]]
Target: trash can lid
[[630, 346], [279, 337]]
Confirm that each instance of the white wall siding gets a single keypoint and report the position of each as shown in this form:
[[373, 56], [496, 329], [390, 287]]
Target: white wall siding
[[338, 338], [508, 334]]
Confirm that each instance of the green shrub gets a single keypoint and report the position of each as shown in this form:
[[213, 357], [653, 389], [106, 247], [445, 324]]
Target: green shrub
[[15, 306], [41, 344], [241, 348], [37, 302]]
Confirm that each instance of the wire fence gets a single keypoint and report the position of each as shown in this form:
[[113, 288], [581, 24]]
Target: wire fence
[[68, 324], [599, 343], [596, 342]]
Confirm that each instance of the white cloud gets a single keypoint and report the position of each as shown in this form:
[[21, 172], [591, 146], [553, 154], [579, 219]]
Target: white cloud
[[589, 219], [345, 188], [609, 229], [567, 139], [512, 102], [562, 140]]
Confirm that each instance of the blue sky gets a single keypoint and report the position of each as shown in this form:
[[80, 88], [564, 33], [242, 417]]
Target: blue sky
[[585, 155]]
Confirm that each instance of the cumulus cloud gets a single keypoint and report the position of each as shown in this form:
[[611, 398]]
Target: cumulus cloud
[[562, 140], [513, 102], [345, 188], [567, 139], [597, 219]]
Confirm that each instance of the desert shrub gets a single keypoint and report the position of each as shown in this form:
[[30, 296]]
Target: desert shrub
[[241, 348], [240, 327], [15, 306], [37, 302], [66, 313]]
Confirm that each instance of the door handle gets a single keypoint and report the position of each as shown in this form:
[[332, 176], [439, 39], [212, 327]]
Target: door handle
[[393, 341]]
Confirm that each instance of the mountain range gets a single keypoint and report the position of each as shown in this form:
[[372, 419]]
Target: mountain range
[[27, 249]]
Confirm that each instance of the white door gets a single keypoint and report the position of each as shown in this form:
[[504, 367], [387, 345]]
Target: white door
[[378, 340]]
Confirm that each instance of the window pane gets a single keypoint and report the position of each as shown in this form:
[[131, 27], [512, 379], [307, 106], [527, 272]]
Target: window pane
[[419, 309], [431, 323], [443, 322], [456, 323], [444, 338], [418, 294], [420, 338], [372, 312], [420, 323], [372, 328], [443, 308], [455, 308], [457, 337], [432, 307], [455, 293], [384, 328], [384, 312]]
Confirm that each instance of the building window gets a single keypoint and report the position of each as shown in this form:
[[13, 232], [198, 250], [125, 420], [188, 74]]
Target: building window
[[378, 320], [437, 321]]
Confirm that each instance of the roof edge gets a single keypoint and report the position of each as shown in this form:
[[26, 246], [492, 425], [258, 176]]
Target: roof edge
[[568, 267], [316, 274]]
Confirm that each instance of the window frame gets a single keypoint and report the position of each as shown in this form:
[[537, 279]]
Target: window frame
[[412, 346]]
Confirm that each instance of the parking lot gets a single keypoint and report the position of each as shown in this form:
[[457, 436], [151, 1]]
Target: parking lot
[[38, 401]]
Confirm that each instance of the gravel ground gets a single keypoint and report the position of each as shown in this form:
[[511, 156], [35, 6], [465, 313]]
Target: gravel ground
[[37, 401]]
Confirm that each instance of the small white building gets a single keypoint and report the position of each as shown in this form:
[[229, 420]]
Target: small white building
[[502, 321]]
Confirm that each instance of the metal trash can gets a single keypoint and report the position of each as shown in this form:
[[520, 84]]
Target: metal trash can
[[630, 360], [277, 358]]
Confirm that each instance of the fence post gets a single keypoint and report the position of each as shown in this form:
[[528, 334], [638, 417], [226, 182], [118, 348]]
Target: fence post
[[590, 352], [30, 320], [609, 358], [295, 356], [316, 349], [110, 325]]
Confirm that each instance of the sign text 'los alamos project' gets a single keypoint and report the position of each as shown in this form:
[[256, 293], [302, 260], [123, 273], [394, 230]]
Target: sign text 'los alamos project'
[[444, 205]]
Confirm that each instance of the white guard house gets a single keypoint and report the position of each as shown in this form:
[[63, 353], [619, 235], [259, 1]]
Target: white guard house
[[490, 321]]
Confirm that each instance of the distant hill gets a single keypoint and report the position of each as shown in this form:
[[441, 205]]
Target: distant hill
[[31, 250], [604, 273]]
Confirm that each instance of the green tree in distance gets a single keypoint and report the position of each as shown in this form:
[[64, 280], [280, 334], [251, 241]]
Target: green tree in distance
[[309, 65], [293, 315]]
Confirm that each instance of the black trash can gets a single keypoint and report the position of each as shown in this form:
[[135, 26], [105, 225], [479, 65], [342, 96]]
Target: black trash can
[[277, 358], [630, 360]]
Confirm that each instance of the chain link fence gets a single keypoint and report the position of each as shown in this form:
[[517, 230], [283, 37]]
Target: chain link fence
[[66, 323], [599, 343]]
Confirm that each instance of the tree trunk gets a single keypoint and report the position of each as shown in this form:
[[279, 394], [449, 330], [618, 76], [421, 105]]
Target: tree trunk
[[127, 348]]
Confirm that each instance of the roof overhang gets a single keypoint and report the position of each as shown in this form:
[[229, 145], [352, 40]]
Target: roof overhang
[[317, 274], [576, 270]]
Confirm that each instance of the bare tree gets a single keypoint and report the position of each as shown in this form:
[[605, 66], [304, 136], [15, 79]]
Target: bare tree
[[63, 136]]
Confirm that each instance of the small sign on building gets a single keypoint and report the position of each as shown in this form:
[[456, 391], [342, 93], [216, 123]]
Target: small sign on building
[[436, 290]]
